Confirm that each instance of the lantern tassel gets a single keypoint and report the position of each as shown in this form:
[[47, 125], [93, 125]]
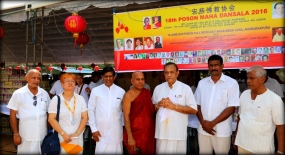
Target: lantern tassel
[[75, 43]]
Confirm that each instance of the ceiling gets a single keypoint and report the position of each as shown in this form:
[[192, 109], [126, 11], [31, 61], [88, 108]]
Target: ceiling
[[58, 44]]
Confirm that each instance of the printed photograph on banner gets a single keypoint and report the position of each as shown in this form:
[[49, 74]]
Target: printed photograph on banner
[[194, 53], [158, 55], [128, 56], [190, 60], [265, 50], [246, 58], [146, 23], [198, 60], [229, 52], [208, 52], [259, 50], [265, 58], [147, 55], [203, 59], [206, 59], [162, 54], [225, 58], [151, 55], [129, 44], [154, 55], [163, 61], [258, 58], [185, 60], [156, 22], [181, 53], [190, 53], [180, 61], [278, 49], [224, 52], [214, 52], [175, 60], [138, 43], [171, 54], [167, 54], [119, 44], [253, 51], [245, 51], [185, 54], [278, 34], [236, 58], [271, 50], [278, 10], [148, 43], [252, 58], [230, 59], [241, 59], [199, 53], [158, 41], [176, 54], [135, 56]]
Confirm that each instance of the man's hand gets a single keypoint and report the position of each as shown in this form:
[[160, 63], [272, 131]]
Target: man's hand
[[162, 102], [17, 139], [96, 136], [66, 138], [88, 90], [168, 104], [208, 127], [132, 143]]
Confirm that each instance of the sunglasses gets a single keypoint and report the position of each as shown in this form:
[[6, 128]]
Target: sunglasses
[[35, 100]]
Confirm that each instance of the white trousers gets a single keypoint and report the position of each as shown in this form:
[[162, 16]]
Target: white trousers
[[29, 147], [104, 148], [164, 146], [243, 151], [221, 145]]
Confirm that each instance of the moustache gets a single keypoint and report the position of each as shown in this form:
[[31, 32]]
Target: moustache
[[213, 70]]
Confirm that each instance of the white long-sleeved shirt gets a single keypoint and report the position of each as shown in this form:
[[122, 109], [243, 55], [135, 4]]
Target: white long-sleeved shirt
[[105, 113]]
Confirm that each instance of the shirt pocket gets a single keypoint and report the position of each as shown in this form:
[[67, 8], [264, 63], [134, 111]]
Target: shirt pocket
[[43, 105], [263, 115], [117, 103]]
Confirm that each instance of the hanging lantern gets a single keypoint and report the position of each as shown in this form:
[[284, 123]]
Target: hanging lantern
[[92, 65], [62, 66], [82, 39], [38, 68], [50, 68], [79, 68], [96, 68], [75, 24], [18, 68], [65, 68], [1, 32]]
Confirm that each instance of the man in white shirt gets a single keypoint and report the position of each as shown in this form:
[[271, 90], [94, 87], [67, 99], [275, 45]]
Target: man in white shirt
[[96, 80], [30, 103], [119, 45], [174, 100], [56, 88], [148, 44], [279, 36], [260, 112], [216, 97], [105, 115], [279, 10]]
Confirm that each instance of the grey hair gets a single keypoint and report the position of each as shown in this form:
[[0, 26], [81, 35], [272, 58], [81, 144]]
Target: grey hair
[[260, 71]]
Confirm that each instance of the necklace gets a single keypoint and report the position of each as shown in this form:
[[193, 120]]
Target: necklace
[[73, 121]]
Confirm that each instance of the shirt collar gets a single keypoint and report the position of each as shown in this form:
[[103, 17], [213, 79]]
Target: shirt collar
[[111, 87], [27, 90], [174, 84], [222, 78]]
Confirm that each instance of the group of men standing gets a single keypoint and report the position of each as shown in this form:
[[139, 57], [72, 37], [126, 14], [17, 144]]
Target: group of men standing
[[158, 124]]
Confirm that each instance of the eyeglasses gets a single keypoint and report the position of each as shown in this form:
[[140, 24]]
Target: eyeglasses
[[69, 81], [35, 101]]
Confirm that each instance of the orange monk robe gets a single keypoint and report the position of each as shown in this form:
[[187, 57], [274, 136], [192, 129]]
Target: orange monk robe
[[142, 118]]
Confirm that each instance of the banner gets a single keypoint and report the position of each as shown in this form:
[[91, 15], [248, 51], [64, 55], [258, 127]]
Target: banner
[[243, 33]]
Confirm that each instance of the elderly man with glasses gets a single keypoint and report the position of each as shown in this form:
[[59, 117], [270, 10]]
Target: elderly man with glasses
[[30, 103]]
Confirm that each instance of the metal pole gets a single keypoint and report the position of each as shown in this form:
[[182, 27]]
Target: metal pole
[[42, 39], [34, 37], [27, 37]]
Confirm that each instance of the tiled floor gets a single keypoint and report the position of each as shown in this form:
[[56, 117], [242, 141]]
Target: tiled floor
[[7, 146]]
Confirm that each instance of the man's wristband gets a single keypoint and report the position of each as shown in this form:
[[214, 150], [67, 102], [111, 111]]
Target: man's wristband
[[279, 152]]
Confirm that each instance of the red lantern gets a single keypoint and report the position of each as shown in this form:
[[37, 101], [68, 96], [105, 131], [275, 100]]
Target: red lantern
[[79, 68], [9, 68], [96, 68], [75, 24], [92, 65], [26, 68], [38, 68], [82, 39], [1, 32], [65, 68], [50, 68], [18, 68]]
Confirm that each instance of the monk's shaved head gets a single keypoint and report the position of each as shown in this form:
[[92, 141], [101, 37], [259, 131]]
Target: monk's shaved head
[[136, 73], [32, 71]]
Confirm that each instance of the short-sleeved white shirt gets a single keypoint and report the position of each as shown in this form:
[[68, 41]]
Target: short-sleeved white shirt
[[214, 98], [32, 119], [83, 92], [274, 86], [56, 88], [65, 116], [174, 127], [258, 120]]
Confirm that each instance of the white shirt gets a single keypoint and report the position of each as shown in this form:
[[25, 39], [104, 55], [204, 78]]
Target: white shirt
[[83, 93], [127, 48], [148, 48], [193, 120], [56, 88], [258, 120], [93, 84], [274, 86], [278, 38], [140, 47], [214, 98], [105, 113], [119, 49], [32, 119], [174, 127], [278, 16], [65, 116]]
